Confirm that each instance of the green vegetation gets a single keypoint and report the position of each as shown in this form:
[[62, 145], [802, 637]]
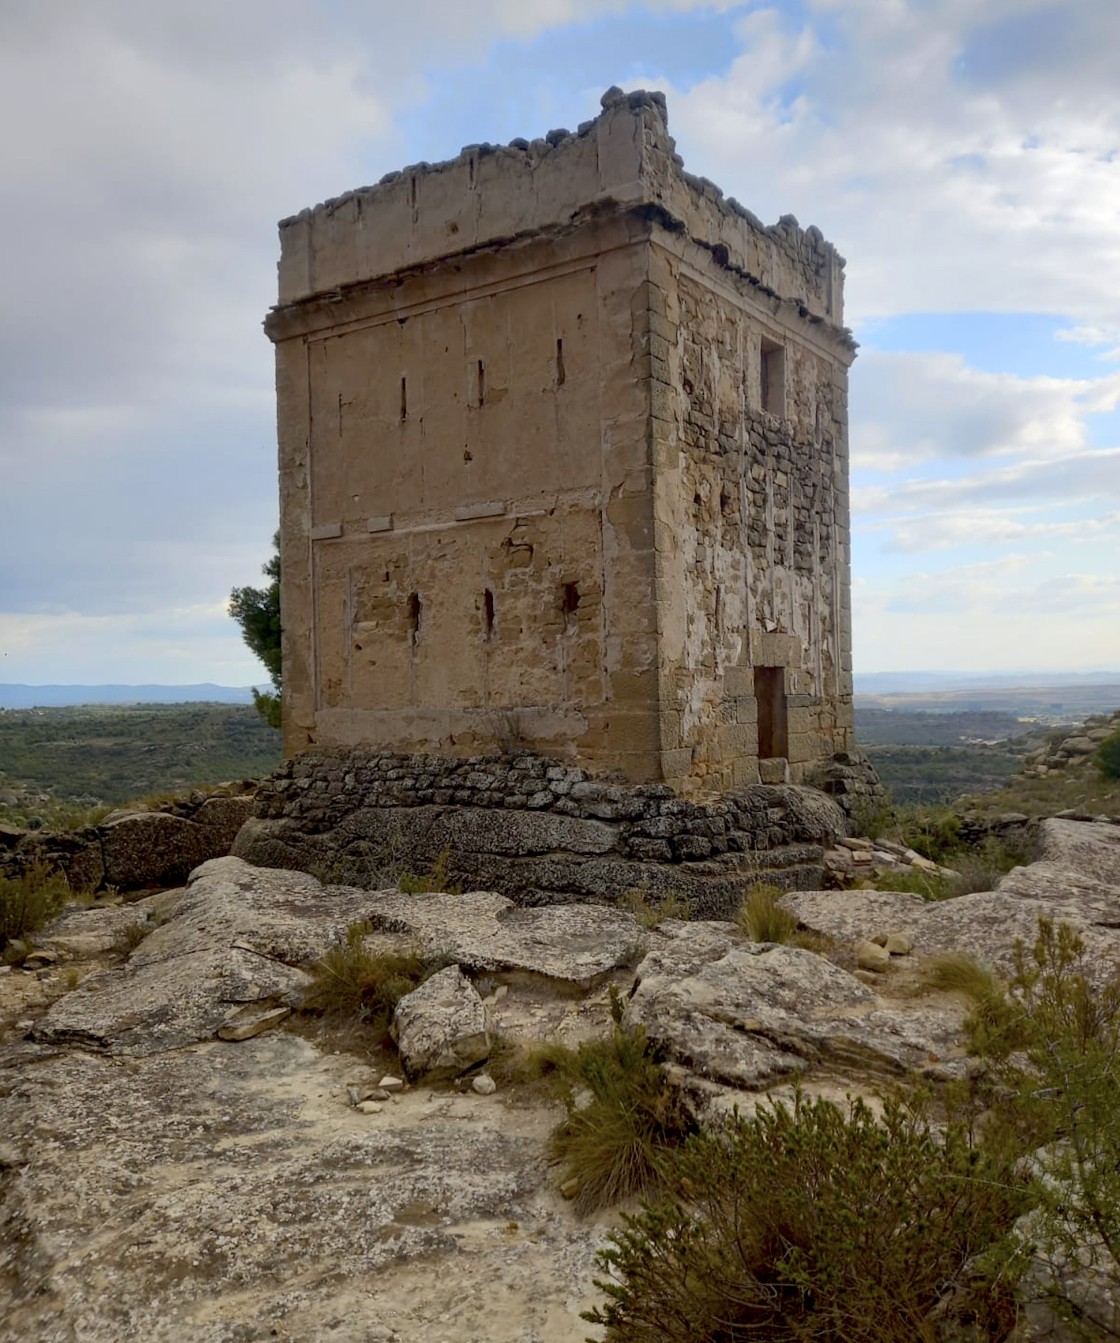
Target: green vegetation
[[860, 1224], [435, 879], [648, 914], [929, 885], [1053, 1038], [614, 1146], [1108, 757], [1074, 790], [939, 834], [355, 984], [257, 611], [819, 1222], [761, 917], [93, 755], [29, 901], [938, 773]]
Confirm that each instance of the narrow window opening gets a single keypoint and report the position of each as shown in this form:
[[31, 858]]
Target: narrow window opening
[[719, 609], [772, 377], [481, 373], [560, 375], [487, 615], [725, 501], [569, 605], [413, 616], [770, 693], [404, 398]]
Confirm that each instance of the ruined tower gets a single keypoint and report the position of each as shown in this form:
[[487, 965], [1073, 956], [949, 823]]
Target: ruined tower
[[564, 465]]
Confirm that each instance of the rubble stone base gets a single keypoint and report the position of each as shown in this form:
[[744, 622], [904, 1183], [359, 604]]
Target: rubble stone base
[[540, 832]]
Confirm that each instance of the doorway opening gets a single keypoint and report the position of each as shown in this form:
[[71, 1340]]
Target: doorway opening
[[773, 729]]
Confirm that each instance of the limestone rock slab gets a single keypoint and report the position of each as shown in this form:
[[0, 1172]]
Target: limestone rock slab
[[747, 1014], [571, 946], [229, 1192], [239, 935], [442, 1028]]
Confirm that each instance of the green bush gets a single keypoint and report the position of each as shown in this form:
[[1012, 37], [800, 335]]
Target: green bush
[[872, 816], [763, 919], [614, 1146], [934, 832], [352, 982], [929, 885], [813, 1222], [1107, 758], [30, 900], [1058, 1056]]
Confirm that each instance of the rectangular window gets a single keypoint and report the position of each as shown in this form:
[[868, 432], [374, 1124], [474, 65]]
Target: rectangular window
[[773, 377]]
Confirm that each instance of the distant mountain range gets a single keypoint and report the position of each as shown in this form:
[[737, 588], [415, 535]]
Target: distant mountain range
[[866, 683], [925, 682], [55, 696]]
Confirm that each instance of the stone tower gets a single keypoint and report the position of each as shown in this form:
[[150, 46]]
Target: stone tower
[[564, 465]]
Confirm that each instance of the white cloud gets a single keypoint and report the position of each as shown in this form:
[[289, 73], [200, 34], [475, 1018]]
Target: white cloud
[[969, 527], [960, 157], [1004, 614], [936, 405]]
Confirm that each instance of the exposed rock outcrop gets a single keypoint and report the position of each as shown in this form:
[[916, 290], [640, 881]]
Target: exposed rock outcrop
[[159, 1182], [540, 832], [136, 847]]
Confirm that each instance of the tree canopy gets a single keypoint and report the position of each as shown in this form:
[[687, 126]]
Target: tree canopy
[[257, 611]]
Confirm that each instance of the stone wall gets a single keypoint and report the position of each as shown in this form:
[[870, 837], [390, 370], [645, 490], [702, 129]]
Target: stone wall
[[536, 830], [752, 519]]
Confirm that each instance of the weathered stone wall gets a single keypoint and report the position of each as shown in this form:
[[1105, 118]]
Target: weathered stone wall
[[536, 830], [563, 461], [491, 194], [752, 531]]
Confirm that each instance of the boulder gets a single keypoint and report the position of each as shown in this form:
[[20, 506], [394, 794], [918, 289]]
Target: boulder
[[442, 1028], [747, 1015], [150, 848], [571, 947]]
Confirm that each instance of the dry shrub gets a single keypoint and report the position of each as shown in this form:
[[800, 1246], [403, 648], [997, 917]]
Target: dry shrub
[[763, 919], [651, 915], [354, 983], [30, 900], [615, 1146], [824, 1223]]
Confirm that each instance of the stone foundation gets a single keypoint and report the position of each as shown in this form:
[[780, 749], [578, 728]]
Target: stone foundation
[[535, 830]]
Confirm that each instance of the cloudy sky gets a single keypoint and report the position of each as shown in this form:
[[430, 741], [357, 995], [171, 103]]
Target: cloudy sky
[[963, 154]]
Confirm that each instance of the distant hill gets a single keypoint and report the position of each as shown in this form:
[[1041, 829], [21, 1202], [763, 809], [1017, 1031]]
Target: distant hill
[[51, 696], [938, 682]]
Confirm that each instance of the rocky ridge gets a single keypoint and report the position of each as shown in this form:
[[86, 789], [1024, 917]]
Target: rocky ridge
[[176, 1163]]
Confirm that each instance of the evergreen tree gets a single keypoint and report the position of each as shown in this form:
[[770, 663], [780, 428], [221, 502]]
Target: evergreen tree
[[257, 611]]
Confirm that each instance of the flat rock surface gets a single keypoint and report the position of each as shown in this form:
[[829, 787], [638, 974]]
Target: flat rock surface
[[1075, 879], [238, 935], [571, 946], [228, 1193]]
